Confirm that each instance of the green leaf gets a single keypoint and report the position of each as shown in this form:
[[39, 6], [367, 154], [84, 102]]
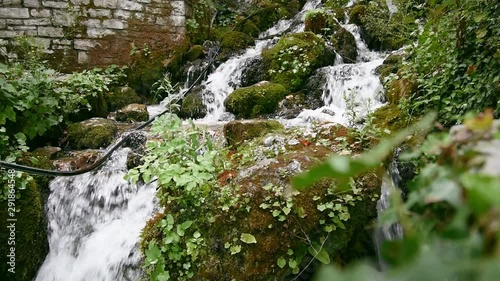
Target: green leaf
[[281, 262], [186, 224], [248, 238], [319, 253], [483, 191]]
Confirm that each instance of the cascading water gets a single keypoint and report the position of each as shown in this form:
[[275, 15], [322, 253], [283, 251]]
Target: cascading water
[[227, 77], [94, 224]]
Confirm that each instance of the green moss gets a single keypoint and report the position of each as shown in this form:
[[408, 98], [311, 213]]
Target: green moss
[[233, 41], [121, 97], [238, 131], [31, 227], [389, 117], [253, 101], [356, 14], [268, 15], [99, 108], [400, 89], [192, 107], [339, 14], [294, 58], [345, 45], [176, 60], [248, 27], [92, 133], [196, 52]]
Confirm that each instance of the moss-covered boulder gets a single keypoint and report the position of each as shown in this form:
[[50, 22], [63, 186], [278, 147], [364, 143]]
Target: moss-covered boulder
[[247, 26], [356, 14], [133, 112], [401, 88], [254, 101], [98, 108], [345, 45], [268, 14], [192, 107], [195, 52], [294, 58], [31, 244], [254, 226], [238, 131], [92, 133], [232, 41], [390, 66], [121, 97]]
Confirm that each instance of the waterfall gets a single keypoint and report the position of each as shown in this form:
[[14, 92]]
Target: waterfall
[[351, 91], [95, 221], [226, 78]]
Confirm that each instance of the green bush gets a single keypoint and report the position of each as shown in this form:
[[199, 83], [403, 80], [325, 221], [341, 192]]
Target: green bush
[[457, 61]]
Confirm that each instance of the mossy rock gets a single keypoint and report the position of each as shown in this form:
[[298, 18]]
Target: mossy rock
[[133, 112], [92, 133], [389, 117], [294, 58], [345, 45], [121, 97], [195, 52], [238, 131], [176, 60], [31, 244], [390, 66], [356, 14], [268, 15], [400, 89], [253, 73], [98, 108], [254, 101], [192, 107], [339, 14], [232, 41], [247, 26], [144, 71]]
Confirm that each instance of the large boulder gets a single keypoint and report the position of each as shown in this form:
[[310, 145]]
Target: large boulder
[[92, 133], [254, 101], [133, 112], [238, 131], [253, 73], [295, 57]]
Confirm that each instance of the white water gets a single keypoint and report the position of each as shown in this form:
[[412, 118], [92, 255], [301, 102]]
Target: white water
[[351, 91], [94, 224]]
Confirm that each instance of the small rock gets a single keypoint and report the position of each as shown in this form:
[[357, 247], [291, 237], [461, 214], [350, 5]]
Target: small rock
[[293, 142], [136, 141], [269, 141], [47, 151], [328, 111], [133, 112]]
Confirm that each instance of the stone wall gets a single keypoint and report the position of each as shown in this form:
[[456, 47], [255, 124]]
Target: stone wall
[[85, 33]]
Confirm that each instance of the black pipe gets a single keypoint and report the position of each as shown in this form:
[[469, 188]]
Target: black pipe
[[100, 161]]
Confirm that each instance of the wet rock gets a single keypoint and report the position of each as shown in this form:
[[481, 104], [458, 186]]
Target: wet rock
[[313, 90], [356, 14], [254, 73], [136, 141], [133, 112], [192, 106], [75, 160], [121, 97], [254, 101], [92, 133], [46, 151], [328, 111], [291, 106], [345, 45], [195, 52], [134, 159], [238, 131]]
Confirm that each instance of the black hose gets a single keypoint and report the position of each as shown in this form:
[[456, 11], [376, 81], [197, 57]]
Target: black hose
[[100, 161]]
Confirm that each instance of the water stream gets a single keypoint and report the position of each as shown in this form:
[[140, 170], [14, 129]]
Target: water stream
[[95, 222], [96, 218]]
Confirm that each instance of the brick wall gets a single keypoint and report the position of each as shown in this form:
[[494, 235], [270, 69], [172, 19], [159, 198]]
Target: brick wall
[[84, 33]]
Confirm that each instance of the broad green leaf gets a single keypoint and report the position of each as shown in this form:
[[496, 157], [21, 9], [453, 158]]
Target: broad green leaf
[[248, 238], [281, 262]]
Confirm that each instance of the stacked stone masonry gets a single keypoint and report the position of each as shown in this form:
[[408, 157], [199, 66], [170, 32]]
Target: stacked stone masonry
[[92, 32]]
